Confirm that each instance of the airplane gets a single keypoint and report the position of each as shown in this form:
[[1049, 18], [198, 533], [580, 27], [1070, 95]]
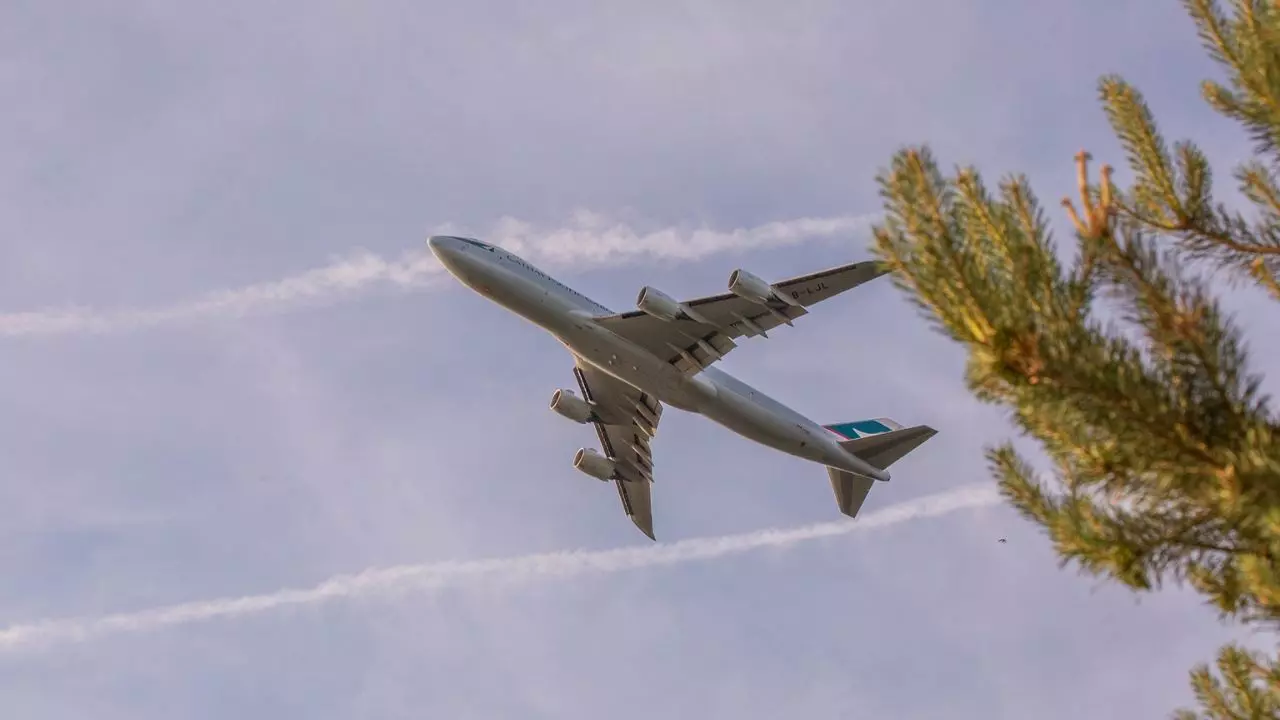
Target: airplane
[[629, 365]]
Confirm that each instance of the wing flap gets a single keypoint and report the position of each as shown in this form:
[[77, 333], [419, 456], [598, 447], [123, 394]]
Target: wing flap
[[632, 421]]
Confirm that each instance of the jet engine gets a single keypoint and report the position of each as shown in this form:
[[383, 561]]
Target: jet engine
[[571, 406], [657, 304], [594, 464], [749, 287]]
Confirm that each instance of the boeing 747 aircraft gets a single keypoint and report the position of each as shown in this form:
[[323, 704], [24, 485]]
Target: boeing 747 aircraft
[[628, 365]]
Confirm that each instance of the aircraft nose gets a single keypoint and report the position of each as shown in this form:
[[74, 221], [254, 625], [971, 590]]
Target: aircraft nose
[[446, 249], [439, 243]]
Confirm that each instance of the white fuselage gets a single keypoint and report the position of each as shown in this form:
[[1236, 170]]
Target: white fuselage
[[570, 316]]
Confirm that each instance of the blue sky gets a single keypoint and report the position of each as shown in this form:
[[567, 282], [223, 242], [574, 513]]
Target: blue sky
[[230, 369]]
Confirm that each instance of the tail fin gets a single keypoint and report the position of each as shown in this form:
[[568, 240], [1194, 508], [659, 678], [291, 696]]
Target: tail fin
[[862, 428], [879, 443]]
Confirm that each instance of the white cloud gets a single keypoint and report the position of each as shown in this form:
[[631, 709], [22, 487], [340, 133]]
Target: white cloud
[[589, 240], [445, 574]]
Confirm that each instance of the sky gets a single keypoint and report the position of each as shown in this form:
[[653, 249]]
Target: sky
[[263, 458]]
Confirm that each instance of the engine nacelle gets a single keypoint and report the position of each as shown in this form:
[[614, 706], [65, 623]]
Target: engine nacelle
[[594, 464], [749, 287], [659, 305], [572, 406]]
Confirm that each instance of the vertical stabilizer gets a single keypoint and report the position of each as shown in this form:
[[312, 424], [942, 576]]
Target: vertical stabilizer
[[851, 490]]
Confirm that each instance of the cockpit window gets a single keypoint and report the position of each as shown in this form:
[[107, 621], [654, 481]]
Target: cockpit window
[[477, 243]]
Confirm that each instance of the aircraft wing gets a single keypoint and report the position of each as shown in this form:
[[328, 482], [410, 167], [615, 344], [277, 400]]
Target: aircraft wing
[[706, 330], [629, 420]]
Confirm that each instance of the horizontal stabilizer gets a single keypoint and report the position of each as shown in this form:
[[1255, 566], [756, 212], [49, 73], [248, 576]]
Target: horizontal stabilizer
[[882, 450]]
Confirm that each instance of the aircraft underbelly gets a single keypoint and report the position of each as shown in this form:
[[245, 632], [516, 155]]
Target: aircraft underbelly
[[753, 422], [733, 408], [638, 368]]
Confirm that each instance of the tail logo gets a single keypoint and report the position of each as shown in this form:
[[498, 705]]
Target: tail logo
[[857, 429]]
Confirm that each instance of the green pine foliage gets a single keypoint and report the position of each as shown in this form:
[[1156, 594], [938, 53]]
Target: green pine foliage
[[1249, 688], [1120, 360]]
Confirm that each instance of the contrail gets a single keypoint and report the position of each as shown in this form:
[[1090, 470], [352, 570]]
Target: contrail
[[436, 576], [589, 240]]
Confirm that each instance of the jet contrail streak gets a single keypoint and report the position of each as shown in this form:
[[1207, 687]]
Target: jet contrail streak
[[435, 576], [588, 241]]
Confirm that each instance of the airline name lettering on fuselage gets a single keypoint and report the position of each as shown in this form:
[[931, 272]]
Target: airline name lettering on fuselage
[[555, 282]]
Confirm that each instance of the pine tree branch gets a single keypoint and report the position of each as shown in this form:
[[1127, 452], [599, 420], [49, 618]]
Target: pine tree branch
[[1248, 687], [1247, 46], [1205, 233], [1167, 453], [1189, 335], [1171, 423], [1176, 198], [1216, 236]]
